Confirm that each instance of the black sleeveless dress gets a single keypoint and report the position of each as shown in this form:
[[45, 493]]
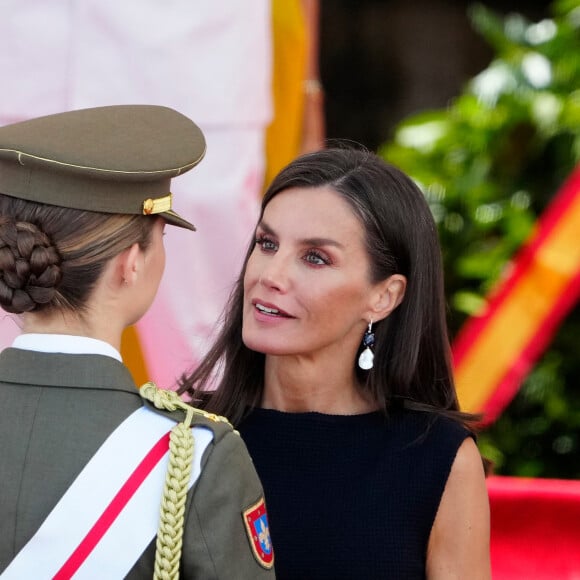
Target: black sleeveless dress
[[351, 497]]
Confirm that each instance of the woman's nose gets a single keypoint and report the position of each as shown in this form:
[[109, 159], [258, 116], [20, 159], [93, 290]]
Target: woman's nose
[[275, 274]]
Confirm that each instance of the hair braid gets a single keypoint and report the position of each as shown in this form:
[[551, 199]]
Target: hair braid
[[29, 266]]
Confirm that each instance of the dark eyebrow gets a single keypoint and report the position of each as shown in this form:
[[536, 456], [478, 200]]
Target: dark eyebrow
[[267, 229], [317, 242]]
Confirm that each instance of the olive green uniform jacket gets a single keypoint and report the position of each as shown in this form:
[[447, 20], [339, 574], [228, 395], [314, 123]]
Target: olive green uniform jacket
[[55, 412]]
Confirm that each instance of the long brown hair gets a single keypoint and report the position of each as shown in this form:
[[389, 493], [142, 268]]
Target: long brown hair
[[412, 354]]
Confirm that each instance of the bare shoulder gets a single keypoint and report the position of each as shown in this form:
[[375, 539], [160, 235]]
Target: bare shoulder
[[459, 540], [467, 465]]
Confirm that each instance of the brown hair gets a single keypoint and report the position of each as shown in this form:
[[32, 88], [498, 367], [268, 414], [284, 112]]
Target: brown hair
[[412, 354], [51, 257]]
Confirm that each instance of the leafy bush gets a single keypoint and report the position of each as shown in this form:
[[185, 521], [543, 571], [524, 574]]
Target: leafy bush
[[489, 164]]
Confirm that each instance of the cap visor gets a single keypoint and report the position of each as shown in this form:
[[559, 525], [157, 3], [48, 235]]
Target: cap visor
[[176, 220]]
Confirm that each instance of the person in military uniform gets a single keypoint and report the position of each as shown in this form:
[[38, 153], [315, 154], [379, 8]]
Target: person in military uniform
[[100, 479]]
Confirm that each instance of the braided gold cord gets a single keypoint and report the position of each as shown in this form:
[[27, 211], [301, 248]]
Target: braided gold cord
[[170, 532], [171, 517], [170, 401]]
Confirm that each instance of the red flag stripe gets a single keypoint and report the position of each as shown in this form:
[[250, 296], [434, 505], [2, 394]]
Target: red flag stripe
[[469, 334], [508, 386]]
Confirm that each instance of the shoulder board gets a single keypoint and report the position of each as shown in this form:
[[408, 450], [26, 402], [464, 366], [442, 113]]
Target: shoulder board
[[209, 416], [170, 401]]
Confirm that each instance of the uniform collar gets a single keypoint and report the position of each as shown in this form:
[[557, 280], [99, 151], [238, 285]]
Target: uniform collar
[[66, 344]]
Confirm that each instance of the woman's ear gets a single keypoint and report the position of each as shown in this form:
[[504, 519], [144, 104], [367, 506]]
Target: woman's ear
[[129, 264], [387, 296]]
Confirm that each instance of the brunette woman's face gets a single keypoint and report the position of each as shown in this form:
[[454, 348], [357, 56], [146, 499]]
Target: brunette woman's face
[[306, 287]]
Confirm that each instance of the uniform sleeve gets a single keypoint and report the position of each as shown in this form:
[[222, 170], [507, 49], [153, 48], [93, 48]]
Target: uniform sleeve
[[226, 532]]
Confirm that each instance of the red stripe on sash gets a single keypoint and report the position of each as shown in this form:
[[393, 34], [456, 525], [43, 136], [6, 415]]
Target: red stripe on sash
[[112, 511]]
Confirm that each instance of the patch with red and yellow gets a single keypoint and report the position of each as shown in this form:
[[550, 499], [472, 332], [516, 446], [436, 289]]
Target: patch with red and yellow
[[258, 530]]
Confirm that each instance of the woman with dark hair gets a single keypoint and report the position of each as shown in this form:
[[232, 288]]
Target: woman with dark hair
[[334, 364], [96, 482]]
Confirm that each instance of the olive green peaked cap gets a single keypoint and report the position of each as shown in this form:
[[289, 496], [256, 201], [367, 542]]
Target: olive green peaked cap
[[117, 159]]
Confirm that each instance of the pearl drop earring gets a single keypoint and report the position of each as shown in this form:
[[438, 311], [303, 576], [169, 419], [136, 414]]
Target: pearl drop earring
[[365, 360]]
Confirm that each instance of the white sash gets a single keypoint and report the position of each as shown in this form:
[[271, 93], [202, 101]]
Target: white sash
[[110, 513]]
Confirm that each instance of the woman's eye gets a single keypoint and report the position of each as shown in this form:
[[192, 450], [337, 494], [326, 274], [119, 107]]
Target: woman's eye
[[317, 259], [266, 244]]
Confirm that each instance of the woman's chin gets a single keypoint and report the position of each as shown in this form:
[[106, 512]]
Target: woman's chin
[[264, 346]]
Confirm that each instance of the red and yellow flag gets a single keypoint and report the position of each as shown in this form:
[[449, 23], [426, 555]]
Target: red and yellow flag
[[495, 350]]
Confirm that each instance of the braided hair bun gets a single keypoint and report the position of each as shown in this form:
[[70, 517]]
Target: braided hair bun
[[29, 267]]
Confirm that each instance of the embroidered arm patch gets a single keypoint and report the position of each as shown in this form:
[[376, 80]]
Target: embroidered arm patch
[[258, 530]]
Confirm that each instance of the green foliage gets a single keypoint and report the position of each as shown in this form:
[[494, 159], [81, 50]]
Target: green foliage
[[489, 164]]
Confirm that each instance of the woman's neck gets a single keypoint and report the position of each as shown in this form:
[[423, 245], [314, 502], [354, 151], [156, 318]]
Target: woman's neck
[[73, 324], [297, 385], [107, 311]]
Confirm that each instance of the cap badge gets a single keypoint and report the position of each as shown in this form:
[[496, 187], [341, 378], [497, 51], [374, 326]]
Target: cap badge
[[159, 205]]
